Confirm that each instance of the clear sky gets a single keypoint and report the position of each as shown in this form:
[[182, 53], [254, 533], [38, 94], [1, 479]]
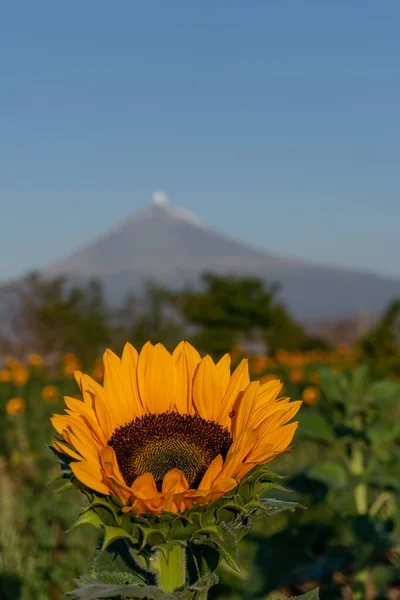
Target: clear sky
[[275, 121]]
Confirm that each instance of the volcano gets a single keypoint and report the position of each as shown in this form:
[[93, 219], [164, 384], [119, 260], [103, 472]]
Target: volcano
[[170, 246]]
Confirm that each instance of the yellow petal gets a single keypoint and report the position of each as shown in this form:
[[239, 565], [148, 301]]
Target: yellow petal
[[60, 422], [174, 481], [223, 371], [115, 390], [94, 395], [268, 392], [285, 436], [144, 486], [238, 382], [212, 473], [278, 417], [243, 469], [159, 383], [207, 390], [142, 365], [129, 363], [89, 477], [82, 441], [274, 443], [87, 415], [186, 359], [265, 410], [60, 447], [243, 408], [239, 452], [112, 475]]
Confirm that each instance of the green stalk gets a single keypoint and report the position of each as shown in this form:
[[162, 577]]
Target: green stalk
[[357, 467], [171, 573], [360, 491]]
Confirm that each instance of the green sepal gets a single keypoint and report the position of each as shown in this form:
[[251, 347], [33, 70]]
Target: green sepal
[[88, 517], [111, 534], [117, 567], [217, 527], [272, 506], [224, 540], [313, 595], [90, 589], [200, 587]]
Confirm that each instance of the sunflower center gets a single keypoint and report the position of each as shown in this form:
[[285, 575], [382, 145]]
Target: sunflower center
[[158, 443]]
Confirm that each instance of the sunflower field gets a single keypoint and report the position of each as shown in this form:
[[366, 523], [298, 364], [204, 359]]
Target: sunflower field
[[339, 468], [344, 467]]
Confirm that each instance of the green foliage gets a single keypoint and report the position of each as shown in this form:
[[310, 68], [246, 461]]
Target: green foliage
[[229, 309], [149, 318], [345, 464], [54, 318], [380, 345]]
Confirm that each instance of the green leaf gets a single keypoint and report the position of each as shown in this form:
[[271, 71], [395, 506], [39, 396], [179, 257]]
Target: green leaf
[[200, 587], [95, 591], [359, 381], [273, 507], [116, 567], [334, 385], [384, 391], [381, 433], [224, 540], [88, 518], [333, 474], [114, 533], [313, 595], [313, 425], [92, 590]]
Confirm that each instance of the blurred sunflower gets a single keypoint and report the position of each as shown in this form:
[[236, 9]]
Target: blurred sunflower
[[296, 375], [5, 375], [35, 360], [166, 432], [15, 406], [20, 374], [311, 395], [49, 393]]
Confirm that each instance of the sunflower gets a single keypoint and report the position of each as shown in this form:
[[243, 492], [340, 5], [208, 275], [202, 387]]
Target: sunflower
[[168, 431]]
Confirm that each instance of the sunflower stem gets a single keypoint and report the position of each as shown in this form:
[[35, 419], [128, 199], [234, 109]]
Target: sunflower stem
[[357, 467], [171, 571]]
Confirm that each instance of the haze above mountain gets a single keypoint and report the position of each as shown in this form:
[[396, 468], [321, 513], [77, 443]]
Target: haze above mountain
[[171, 246]]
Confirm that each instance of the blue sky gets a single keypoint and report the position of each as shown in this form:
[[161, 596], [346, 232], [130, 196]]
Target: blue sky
[[275, 121]]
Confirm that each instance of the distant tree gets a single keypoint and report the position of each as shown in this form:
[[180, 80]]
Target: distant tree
[[382, 342], [51, 318], [284, 332], [149, 318], [314, 342], [231, 309]]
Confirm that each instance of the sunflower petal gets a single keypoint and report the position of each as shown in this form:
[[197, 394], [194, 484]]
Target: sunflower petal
[[142, 365], [129, 361], [212, 473], [239, 451], [243, 408], [186, 359], [115, 390], [60, 447], [94, 395], [159, 385], [89, 477], [238, 382], [144, 486], [207, 389], [174, 481], [112, 475]]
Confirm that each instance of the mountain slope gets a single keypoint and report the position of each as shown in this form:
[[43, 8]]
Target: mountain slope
[[172, 247]]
